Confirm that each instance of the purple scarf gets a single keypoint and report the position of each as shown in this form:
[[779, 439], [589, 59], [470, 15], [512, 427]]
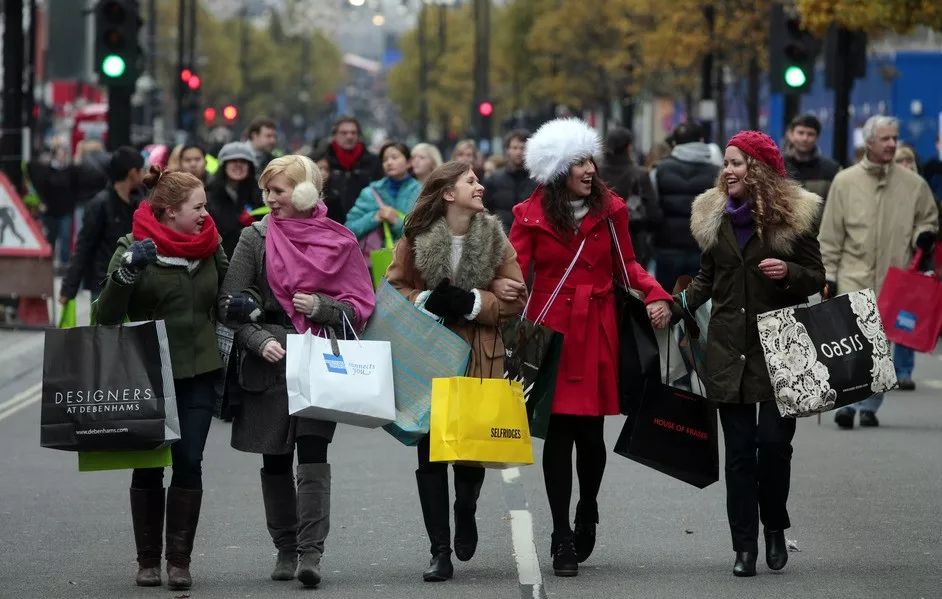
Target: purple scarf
[[740, 216], [316, 255]]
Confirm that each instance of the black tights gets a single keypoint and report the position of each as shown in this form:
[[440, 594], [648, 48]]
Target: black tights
[[311, 450], [586, 433]]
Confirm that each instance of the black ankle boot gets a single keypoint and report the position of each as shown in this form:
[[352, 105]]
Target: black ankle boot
[[564, 554], [776, 552], [433, 495], [439, 568], [587, 516], [745, 564]]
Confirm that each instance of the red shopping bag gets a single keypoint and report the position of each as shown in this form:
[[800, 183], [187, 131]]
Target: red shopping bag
[[910, 305]]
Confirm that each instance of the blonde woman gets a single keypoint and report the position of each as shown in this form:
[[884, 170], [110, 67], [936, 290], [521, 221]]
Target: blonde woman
[[757, 233], [295, 270], [425, 159]]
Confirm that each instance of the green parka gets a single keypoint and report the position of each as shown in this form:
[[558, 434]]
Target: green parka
[[184, 299], [735, 370]]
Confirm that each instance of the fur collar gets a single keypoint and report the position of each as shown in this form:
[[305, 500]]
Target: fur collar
[[709, 211], [484, 247]]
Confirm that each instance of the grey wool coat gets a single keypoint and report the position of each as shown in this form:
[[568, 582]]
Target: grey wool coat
[[260, 419], [730, 276]]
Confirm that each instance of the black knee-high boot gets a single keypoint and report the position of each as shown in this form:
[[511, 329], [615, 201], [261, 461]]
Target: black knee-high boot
[[433, 495]]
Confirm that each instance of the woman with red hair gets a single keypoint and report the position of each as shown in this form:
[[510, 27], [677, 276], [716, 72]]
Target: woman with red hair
[[169, 268]]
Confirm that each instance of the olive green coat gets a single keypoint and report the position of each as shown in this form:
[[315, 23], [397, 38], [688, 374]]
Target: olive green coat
[[735, 370], [184, 299]]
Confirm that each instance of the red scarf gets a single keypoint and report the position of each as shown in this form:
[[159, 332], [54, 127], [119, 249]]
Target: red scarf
[[348, 158], [173, 244]]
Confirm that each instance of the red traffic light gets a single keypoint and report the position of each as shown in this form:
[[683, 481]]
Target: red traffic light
[[194, 82], [230, 112], [185, 75], [486, 108], [209, 114]]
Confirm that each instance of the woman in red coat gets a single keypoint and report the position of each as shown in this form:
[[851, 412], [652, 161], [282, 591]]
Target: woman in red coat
[[566, 222]]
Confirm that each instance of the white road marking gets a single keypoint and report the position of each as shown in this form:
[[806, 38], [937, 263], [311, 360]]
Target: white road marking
[[931, 383], [26, 398], [528, 566], [510, 474]]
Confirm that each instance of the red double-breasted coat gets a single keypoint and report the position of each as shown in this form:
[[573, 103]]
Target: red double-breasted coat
[[584, 312]]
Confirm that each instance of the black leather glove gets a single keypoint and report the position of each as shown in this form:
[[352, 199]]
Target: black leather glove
[[139, 255], [241, 308], [926, 241], [450, 302], [438, 302], [461, 302]]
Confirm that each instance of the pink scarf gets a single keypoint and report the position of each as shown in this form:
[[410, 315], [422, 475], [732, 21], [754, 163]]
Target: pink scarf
[[316, 255]]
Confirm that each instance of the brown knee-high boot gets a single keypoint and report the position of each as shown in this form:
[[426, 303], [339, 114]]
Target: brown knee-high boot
[[147, 516], [183, 514]]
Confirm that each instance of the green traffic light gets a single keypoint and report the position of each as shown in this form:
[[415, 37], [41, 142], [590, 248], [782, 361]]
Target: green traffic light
[[795, 76], [113, 66]]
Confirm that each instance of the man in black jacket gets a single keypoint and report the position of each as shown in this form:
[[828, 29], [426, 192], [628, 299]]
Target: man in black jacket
[[509, 186], [352, 168], [633, 183], [107, 218], [803, 161], [679, 179]]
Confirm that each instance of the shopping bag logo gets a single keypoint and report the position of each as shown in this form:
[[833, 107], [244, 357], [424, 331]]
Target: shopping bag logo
[[505, 433], [906, 321], [335, 364]]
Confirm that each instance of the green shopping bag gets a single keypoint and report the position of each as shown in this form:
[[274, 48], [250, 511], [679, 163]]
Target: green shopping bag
[[68, 318], [94, 461], [381, 259]]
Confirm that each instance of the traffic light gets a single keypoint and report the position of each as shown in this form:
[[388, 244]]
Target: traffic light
[[485, 112], [209, 115], [230, 112], [117, 52], [792, 53]]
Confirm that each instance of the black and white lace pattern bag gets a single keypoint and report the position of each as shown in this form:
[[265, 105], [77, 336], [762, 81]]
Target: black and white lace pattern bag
[[825, 356]]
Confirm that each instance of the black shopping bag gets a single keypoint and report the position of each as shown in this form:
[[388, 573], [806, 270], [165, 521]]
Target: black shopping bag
[[673, 431], [825, 356], [638, 361], [531, 356], [108, 388]]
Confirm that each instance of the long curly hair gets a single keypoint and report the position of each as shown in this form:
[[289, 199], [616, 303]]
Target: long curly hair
[[556, 198], [767, 193]]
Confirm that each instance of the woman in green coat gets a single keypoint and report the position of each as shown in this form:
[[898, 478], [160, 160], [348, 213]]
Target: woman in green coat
[[757, 232], [170, 268]]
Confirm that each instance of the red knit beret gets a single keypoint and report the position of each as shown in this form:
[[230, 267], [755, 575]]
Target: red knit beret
[[761, 147]]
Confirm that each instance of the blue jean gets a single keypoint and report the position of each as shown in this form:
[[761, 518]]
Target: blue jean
[[904, 359], [59, 236], [196, 398]]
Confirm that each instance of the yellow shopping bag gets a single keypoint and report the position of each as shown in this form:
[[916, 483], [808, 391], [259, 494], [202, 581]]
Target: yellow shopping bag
[[480, 422]]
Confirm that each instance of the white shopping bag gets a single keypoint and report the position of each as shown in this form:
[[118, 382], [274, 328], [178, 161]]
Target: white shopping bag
[[350, 382]]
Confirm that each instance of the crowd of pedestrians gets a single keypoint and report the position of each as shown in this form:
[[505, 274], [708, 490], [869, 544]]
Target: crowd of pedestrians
[[272, 246]]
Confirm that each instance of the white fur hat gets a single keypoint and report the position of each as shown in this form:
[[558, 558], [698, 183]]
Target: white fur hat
[[559, 144]]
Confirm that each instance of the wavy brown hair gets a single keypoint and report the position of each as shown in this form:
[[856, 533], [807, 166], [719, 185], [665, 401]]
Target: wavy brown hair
[[767, 193], [556, 198], [431, 203]]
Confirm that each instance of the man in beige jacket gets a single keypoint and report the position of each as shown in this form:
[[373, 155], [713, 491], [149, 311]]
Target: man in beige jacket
[[876, 215]]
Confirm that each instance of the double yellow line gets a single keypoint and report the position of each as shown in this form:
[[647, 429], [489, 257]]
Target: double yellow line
[[20, 401]]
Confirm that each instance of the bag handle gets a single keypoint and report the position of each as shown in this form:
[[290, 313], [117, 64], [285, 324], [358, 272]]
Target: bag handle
[[557, 290], [621, 257]]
